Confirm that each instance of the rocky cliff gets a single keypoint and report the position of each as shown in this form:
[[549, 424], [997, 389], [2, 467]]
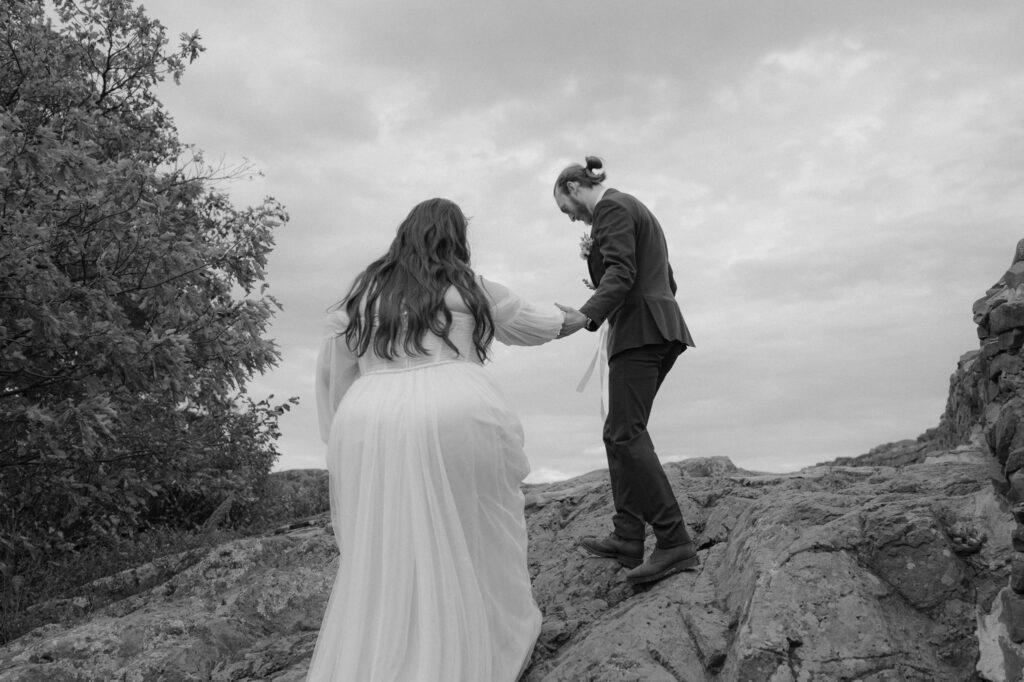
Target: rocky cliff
[[901, 564]]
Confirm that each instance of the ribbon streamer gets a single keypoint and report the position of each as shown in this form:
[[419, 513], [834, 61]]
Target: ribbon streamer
[[600, 359]]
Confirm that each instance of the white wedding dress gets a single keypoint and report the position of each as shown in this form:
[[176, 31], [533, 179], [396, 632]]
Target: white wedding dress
[[425, 459]]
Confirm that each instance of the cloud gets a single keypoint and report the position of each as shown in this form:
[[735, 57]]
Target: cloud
[[837, 182]]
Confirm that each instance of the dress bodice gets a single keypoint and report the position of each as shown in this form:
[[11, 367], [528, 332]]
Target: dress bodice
[[516, 323], [437, 351]]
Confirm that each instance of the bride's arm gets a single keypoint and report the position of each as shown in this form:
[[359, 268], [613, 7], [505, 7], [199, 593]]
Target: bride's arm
[[518, 322], [336, 369]]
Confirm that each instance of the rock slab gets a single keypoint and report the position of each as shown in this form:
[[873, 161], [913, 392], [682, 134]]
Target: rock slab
[[833, 572]]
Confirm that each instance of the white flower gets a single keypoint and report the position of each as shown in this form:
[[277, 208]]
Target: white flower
[[586, 242]]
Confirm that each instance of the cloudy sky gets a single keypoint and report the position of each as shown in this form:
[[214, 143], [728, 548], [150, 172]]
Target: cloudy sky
[[838, 183]]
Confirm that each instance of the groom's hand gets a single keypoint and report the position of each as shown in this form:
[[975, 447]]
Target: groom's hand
[[574, 321]]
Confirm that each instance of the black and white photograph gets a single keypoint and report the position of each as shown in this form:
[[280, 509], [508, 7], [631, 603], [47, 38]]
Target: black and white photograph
[[462, 341]]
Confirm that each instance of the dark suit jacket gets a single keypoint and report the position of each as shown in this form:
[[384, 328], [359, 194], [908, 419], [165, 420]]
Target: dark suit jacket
[[629, 265]]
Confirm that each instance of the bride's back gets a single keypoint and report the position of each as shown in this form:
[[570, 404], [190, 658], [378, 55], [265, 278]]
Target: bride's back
[[460, 334]]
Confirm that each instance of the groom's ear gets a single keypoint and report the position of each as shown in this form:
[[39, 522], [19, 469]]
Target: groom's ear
[[571, 187]]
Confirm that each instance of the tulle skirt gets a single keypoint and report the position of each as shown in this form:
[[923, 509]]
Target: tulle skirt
[[425, 466]]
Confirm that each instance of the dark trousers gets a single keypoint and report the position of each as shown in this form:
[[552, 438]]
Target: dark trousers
[[640, 489]]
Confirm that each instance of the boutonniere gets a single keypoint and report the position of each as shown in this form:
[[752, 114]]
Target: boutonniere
[[586, 243]]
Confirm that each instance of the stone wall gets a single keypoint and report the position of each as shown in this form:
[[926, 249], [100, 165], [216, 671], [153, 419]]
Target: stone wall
[[999, 315], [987, 392]]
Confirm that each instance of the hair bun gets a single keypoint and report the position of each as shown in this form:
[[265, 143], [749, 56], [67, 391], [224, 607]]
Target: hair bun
[[594, 163]]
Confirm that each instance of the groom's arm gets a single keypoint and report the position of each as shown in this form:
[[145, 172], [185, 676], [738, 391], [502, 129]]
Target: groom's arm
[[614, 235]]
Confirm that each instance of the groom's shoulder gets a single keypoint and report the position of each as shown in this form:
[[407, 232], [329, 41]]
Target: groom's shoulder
[[613, 197], [612, 194]]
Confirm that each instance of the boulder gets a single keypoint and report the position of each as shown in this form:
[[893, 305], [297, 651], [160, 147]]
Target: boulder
[[1014, 276], [247, 610], [832, 572]]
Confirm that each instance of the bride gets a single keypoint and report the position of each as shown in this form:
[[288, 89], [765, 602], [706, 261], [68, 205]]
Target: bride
[[425, 459]]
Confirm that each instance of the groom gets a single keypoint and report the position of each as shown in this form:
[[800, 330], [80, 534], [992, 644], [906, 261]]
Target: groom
[[635, 294]]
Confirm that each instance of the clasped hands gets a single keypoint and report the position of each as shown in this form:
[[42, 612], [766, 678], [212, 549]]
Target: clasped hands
[[574, 321]]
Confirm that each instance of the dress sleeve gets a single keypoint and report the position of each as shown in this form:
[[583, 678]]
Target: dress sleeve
[[518, 322], [337, 368]]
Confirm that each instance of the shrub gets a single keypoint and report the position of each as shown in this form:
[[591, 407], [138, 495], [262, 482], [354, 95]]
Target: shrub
[[133, 301]]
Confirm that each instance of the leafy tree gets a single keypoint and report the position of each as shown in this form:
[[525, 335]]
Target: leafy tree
[[133, 302]]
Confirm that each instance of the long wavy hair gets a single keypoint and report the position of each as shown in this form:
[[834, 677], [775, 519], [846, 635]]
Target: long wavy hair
[[400, 296]]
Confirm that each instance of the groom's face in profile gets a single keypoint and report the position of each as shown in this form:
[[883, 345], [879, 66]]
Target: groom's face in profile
[[573, 207]]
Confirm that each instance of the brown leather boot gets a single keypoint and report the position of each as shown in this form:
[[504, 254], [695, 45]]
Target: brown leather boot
[[629, 553], [665, 562]]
